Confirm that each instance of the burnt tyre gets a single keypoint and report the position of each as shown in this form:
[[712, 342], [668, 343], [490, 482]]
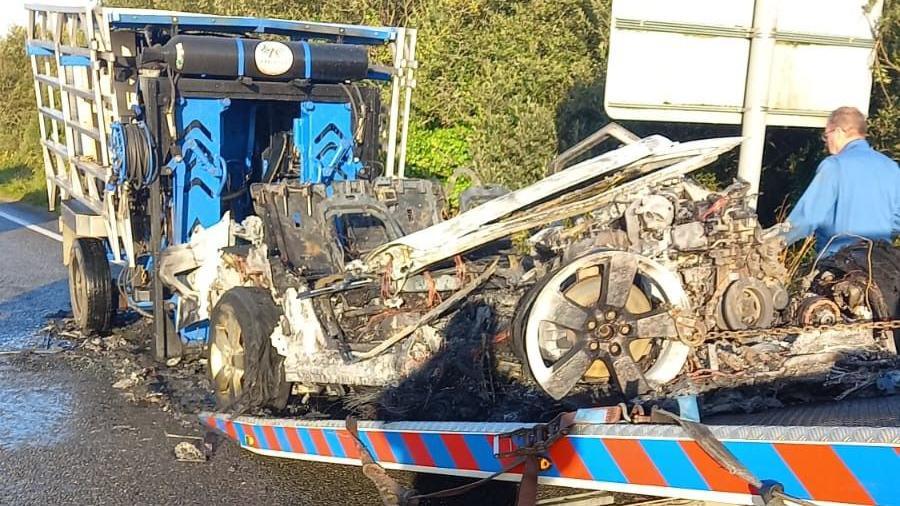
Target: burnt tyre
[[855, 261], [90, 286], [886, 277], [604, 316], [245, 370]]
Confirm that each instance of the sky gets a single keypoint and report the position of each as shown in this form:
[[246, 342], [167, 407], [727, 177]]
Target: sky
[[14, 11]]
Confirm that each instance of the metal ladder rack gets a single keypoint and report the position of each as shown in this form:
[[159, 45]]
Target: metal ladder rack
[[72, 62]]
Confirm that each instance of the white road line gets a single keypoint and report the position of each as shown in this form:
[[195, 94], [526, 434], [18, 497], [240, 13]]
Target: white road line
[[31, 226]]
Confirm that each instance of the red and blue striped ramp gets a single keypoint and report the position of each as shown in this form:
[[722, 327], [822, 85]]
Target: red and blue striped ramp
[[830, 465]]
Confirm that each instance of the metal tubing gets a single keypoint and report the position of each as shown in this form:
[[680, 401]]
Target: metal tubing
[[614, 130], [399, 55], [759, 70], [409, 82]]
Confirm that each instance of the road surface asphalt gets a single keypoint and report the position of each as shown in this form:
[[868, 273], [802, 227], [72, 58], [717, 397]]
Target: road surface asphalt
[[68, 437]]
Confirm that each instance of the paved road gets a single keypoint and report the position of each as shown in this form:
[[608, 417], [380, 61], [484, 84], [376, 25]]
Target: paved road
[[67, 437], [32, 276]]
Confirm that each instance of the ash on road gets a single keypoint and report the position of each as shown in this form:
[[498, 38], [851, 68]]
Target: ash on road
[[69, 437]]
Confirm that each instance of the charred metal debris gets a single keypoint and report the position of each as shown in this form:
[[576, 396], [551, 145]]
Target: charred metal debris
[[618, 277]]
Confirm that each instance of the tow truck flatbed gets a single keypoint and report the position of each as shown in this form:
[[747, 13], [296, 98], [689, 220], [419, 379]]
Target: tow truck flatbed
[[845, 462]]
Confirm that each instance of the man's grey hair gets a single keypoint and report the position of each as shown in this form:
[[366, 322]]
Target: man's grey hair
[[848, 119]]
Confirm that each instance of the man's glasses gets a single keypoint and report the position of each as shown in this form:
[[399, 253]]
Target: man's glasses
[[827, 133]]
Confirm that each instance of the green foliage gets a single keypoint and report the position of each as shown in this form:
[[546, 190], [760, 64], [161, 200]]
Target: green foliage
[[437, 151], [21, 170], [884, 122]]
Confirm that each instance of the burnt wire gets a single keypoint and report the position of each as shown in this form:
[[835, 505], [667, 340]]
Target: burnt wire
[[273, 171], [359, 110], [170, 110], [869, 242], [140, 161], [125, 283]]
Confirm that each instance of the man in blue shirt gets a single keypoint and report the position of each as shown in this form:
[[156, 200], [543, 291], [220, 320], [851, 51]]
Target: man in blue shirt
[[856, 190]]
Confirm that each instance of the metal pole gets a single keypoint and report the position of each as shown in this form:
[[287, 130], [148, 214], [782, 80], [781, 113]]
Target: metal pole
[[150, 89], [399, 55], [409, 82], [759, 70]]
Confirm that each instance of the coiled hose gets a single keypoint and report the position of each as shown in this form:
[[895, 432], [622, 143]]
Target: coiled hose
[[133, 151]]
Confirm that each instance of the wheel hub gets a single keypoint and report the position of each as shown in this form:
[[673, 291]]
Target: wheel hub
[[619, 325], [226, 356], [606, 331]]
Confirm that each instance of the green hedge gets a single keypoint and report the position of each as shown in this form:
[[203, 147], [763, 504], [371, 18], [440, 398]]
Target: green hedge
[[503, 86], [21, 169]]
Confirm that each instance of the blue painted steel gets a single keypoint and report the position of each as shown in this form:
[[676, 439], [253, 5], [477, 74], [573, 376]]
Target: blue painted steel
[[601, 464], [483, 452], [765, 462], [323, 134], [36, 50], [200, 173], [282, 437], [306, 438], [220, 424], [689, 408], [866, 463], [379, 75], [399, 447], [72, 60], [239, 432], [218, 139], [334, 444], [240, 56], [117, 146], [196, 334], [673, 464], [438, 450], [260, 437], [307, 59], [351, 34]]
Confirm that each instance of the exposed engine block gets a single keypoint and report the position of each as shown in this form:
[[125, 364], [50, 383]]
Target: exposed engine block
[[734, 277]]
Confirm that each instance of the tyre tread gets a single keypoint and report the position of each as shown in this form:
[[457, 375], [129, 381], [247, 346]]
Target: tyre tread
[[90, 254]]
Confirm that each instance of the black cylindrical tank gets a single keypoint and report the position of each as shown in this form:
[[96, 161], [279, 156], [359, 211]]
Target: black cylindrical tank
[[199, 55]]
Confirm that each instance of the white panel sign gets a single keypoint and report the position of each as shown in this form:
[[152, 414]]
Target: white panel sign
[[686, 60]]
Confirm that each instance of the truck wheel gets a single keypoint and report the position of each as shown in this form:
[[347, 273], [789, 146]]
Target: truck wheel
[[885, 261], [886, 275], [245, 370], [90, 285]]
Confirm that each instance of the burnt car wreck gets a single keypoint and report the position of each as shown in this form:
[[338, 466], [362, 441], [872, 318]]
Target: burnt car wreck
[[619, 275]]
